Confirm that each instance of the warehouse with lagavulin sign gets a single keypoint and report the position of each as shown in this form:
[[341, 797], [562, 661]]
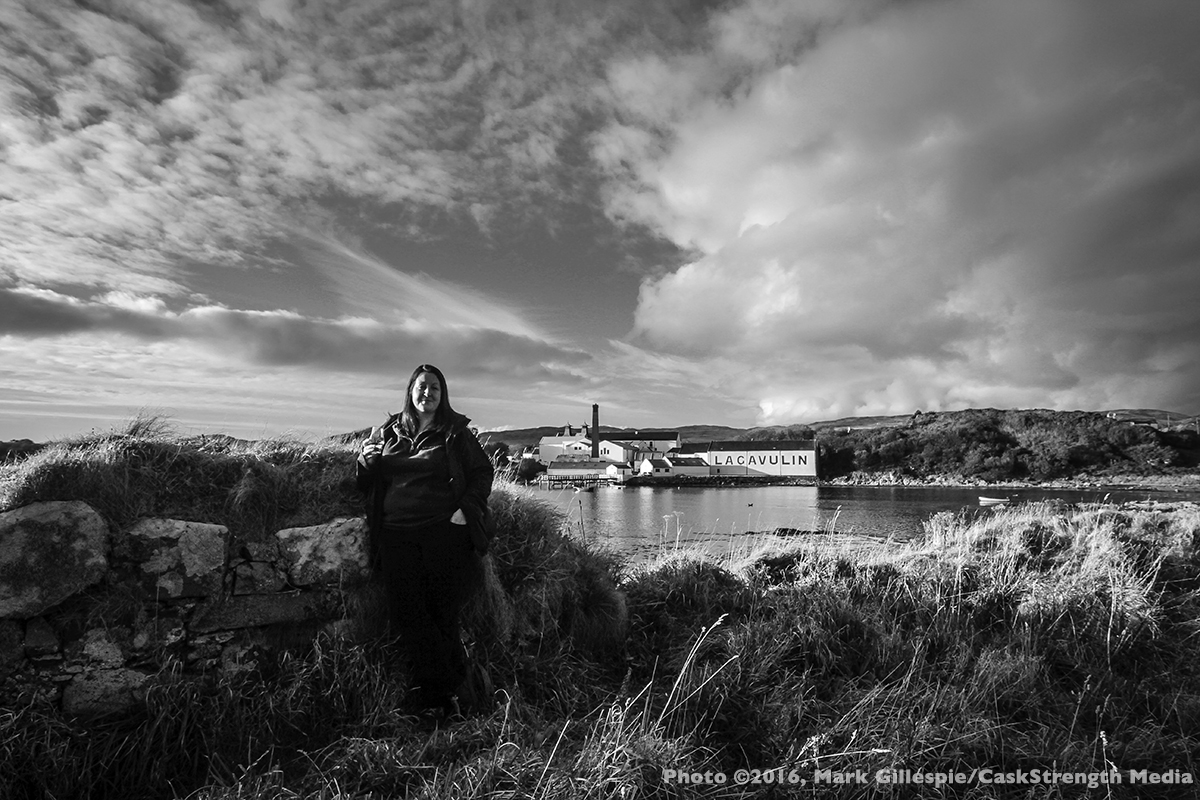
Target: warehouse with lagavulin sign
[[795, 457]]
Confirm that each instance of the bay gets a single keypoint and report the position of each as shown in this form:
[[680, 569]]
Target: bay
[[641, 523]]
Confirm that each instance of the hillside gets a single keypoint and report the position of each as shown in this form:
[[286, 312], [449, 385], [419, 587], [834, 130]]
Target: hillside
[[993, 445], [17, 448], [1163, 419]]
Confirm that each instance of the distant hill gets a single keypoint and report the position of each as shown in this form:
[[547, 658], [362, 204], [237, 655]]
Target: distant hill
[[995, 445], [17, 449], [1163, 419], [519, 438], [862, 423]]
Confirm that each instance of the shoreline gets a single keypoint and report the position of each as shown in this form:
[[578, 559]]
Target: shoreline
[[1189, 482]]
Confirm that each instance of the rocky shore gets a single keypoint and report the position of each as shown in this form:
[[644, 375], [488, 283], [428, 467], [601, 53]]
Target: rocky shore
[[717, 481], [1180, 482]]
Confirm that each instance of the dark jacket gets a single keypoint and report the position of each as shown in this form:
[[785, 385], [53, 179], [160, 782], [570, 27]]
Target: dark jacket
[[471, 475]]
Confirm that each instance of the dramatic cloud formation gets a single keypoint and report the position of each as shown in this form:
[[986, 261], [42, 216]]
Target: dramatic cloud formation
[[148, 145], [201, 131], [753, 211], [929, 204]]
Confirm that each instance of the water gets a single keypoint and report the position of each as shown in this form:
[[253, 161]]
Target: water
[[638, 522]]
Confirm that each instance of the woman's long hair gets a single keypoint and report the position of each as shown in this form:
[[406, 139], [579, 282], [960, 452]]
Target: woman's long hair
[[410, 422]]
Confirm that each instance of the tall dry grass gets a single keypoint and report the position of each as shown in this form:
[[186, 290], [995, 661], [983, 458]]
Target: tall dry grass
[[145, 469], [1030, 638]]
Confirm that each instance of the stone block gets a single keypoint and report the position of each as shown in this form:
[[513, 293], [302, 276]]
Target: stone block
[[99, 649], [12, 645], [260, 551], [252, 611], [49, 552], [177, 557], [204, 648], [40, 639], [103, 691], [334, 553], [257, 577], [159, 632]]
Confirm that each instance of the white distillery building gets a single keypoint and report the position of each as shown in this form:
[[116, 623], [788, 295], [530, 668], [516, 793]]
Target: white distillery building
[[570, 441], [795, 457], [574, 442], [619, 451], [654, 466], [619, 472]]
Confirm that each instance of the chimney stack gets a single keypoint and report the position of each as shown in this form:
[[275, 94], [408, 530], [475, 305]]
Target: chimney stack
[[596, 431]]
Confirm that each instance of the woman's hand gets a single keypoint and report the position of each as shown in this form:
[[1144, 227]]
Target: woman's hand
[[372, 446]]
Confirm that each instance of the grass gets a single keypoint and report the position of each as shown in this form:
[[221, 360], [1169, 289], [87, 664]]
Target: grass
[[1032, 637], [253, 488]]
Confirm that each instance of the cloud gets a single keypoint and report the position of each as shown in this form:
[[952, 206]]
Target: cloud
[[162, 130], [368, 287], [934, 204], [883, 204], [139, 133], [278, 338], [39, 312]]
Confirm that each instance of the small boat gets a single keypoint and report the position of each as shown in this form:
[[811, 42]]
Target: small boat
[[993, 501], [579, 488]]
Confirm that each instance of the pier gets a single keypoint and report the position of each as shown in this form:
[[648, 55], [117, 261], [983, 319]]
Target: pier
[[562, 481]]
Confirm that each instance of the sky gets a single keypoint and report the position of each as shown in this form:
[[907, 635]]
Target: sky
[[257, 217]]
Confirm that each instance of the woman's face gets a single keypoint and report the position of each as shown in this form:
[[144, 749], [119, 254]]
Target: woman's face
[[426, 393]]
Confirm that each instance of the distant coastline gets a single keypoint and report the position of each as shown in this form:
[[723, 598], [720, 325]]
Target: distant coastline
[[1160, 483], [1031, 448], [1164, 483]]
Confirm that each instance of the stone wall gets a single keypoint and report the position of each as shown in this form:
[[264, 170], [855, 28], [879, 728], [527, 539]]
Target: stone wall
[[89, 614]]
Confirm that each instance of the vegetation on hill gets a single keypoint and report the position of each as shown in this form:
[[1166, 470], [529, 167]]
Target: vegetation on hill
[[16, 449], [145, 470], [778, 433], [991, 445], [1040, 637]]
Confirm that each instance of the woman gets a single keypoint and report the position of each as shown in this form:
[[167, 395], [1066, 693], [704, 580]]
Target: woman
[[427, 481]]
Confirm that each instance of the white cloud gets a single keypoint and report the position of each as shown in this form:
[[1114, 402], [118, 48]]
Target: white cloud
[[927, 204], [370, 288], [168, 130]]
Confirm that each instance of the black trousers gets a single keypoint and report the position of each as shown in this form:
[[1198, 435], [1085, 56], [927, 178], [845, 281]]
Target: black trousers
[[430, 574]]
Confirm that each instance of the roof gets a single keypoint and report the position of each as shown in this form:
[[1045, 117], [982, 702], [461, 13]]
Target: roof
[[658, 463], [576, 439], [743, 446], [686, 461], [565, 463]]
